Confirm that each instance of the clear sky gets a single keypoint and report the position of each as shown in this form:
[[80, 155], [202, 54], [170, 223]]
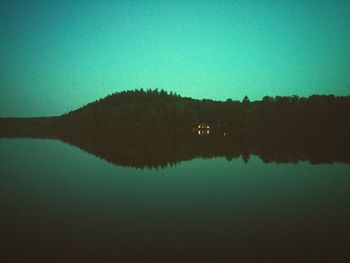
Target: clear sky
[[56, 56]]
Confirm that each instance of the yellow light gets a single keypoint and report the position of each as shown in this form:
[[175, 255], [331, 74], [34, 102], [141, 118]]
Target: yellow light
[[207, 127], [199, 132], [207, 131], [199, 126]]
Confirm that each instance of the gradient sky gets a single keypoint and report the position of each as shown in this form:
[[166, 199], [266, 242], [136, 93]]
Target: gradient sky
[[56, 56]]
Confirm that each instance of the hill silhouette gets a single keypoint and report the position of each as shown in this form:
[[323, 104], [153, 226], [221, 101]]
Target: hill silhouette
[[154, 128]]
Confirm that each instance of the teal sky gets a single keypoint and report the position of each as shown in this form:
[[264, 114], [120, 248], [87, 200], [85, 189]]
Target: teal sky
[[56, 56]]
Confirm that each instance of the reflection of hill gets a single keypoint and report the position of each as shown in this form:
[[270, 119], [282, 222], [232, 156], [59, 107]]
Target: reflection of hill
[[154, 150], [153, 129], [159, 150]]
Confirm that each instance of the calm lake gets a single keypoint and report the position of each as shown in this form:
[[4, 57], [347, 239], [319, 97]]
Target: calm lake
[[59, 204]]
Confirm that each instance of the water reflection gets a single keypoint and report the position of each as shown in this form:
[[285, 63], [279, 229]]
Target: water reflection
[[160, 148], [60, 205]]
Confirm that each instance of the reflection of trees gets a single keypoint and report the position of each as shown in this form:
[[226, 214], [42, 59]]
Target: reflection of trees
[[153, 129]]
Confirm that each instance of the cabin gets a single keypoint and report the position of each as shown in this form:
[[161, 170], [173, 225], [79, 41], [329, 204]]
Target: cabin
[[203, 129], [203, 126]]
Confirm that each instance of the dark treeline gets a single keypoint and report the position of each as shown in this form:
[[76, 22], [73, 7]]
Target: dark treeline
[[154, 128], [155, 109]]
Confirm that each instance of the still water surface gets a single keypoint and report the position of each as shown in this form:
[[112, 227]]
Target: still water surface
[[58, 202]]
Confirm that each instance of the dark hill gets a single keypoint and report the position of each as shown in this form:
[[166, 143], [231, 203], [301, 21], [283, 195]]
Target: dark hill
[[151, 109], [136, 110]]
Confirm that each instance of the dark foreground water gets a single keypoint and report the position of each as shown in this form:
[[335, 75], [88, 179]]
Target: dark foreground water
[[61, 204]]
